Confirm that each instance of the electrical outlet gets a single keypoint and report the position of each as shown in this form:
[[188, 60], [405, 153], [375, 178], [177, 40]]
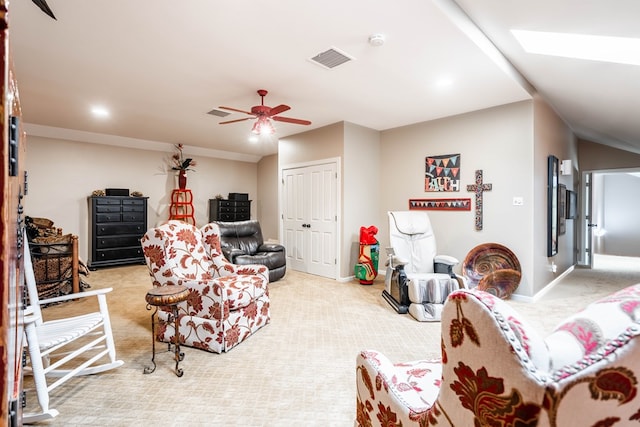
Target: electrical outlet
[[518, 201]]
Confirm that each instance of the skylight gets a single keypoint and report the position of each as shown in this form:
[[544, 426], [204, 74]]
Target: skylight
[[622, 50]]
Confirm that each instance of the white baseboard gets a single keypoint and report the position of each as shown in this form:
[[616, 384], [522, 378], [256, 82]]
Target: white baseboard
[[544, 290]]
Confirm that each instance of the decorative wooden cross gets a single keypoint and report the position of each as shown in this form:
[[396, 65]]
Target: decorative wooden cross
[[479, 188]]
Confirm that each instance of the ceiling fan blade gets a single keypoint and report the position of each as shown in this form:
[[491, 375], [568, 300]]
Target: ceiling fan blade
[[279, 109], [42, 4], [290, 120], [233, 121], [235, 109]]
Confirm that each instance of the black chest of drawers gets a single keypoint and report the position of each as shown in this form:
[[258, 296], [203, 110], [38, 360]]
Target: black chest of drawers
[[229, 210], [116, 226]]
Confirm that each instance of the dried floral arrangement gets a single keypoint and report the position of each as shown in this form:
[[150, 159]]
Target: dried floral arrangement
[[179, 162]]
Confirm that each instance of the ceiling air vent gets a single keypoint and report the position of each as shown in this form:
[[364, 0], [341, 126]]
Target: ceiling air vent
[[218, 113], [331, 58]]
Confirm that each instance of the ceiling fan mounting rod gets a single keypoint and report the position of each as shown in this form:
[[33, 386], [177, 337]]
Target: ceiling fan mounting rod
[[262, 94]]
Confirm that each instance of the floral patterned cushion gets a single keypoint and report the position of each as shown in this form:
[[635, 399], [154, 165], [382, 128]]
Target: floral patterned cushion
[[496, 371], [527, 337], [414, 385], [220, 266], [177, 246], [242, 290], [586, 332]]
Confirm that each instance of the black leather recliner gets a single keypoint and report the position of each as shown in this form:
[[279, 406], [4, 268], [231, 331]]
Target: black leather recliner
[[242, 243]]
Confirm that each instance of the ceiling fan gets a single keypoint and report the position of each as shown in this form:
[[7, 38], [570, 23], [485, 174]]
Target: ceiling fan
[[264, 113]]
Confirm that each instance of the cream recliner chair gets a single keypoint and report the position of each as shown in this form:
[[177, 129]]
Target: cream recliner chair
[[429, 277]]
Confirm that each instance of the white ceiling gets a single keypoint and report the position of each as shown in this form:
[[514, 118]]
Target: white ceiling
[[161, 65]]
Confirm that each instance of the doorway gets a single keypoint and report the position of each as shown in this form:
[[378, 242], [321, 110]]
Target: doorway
[[309, 198], [608, 206]]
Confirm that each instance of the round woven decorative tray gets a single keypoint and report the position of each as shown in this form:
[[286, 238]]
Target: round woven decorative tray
[[500, 283], [485, 259]]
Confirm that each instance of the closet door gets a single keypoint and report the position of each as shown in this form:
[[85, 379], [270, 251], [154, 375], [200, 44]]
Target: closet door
[[310, 218]]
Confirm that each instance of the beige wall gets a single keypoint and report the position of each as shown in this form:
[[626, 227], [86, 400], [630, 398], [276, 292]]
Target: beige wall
[[62, 174], [359, 150], [379, 172], [616, 212], [498, 141], [552, 137], [509, 143], [267, 209], [323, 143], [313, 146], [594, 157], [360, 193]]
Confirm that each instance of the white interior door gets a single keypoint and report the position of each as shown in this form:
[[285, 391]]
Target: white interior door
[[309, 218], [294, 216]]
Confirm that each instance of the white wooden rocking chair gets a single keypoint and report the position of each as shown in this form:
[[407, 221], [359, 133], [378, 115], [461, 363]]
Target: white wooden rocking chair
[[53, 345]]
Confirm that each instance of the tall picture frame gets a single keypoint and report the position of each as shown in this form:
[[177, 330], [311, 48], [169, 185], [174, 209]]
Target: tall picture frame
[[562, 209], [572, 205], [552, 206]]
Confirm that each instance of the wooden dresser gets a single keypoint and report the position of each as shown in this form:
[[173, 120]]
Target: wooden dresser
[[229, 210], [116, 225]]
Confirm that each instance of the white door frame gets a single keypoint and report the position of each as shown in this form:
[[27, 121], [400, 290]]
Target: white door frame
[[338, 231], [585, 256]]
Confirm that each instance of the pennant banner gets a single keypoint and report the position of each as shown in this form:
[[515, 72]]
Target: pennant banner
[[440, 204]]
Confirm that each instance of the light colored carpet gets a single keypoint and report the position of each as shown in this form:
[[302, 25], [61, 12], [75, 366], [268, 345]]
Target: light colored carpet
[[297, 371]]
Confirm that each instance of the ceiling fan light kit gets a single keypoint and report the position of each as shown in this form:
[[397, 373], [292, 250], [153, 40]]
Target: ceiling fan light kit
[[264, 114], [263, 126]]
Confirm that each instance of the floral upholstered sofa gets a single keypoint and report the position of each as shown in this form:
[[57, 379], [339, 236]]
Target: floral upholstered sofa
[[227, 302], [496, 371]]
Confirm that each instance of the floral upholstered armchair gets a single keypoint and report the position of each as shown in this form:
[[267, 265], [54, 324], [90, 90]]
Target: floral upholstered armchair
[[227, 302], [496, 371]]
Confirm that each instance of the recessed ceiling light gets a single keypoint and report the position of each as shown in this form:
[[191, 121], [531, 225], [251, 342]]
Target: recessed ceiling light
[[444, 82], [622, 50], [99, 111]]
